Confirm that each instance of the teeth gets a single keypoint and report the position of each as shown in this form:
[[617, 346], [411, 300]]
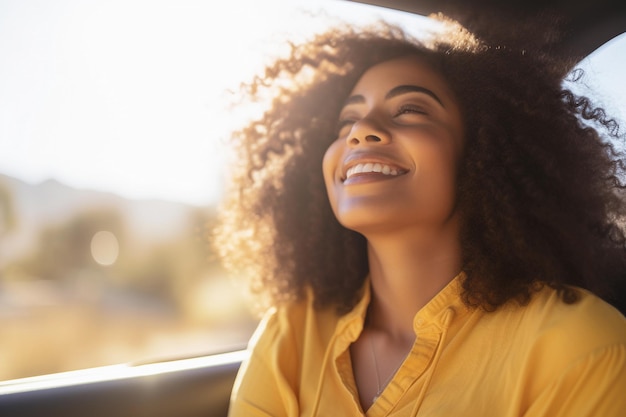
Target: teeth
[[372, 167]]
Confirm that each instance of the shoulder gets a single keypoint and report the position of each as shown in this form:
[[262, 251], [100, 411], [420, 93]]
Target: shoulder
[[572, 357], [552, 337], [286, 328], [589, 323], [269, 379]]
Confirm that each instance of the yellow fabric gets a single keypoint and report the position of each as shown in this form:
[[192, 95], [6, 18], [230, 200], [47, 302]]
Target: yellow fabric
[[545, 359]]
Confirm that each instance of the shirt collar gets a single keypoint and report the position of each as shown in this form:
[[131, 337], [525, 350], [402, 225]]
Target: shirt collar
[[434, 313], [447, 301]]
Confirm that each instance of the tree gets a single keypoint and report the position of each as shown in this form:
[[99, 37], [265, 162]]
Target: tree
[[62, 250], [8, 218]]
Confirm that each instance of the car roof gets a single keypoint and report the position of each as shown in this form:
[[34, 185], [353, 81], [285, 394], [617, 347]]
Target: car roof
[[586, 25]]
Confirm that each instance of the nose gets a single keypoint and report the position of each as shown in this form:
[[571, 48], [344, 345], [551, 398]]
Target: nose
[[367, 131]]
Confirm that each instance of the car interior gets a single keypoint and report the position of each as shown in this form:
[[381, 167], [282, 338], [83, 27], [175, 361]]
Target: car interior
[[201, 386]]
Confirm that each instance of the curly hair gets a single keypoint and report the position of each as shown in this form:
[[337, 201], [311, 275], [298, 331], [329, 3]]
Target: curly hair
[[539, 187]]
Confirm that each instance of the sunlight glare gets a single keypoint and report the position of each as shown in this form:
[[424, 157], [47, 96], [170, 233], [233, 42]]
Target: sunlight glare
[[132, 96]]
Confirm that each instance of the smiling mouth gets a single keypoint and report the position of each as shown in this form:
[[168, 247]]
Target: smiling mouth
[[373, 167]]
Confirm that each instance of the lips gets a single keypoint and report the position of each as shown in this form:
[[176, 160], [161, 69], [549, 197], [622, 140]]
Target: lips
[[361, 165], [364, 168]]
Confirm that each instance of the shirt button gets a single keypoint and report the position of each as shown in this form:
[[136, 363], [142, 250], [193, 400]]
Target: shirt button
[[419, 322]]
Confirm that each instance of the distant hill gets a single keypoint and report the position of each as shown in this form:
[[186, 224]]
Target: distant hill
[[51, 202]]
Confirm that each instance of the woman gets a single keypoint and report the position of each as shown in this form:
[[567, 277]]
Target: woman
[[429, 222]]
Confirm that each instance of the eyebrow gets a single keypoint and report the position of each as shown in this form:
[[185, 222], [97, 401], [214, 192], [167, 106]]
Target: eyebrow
[[396, 91], [404, 89]]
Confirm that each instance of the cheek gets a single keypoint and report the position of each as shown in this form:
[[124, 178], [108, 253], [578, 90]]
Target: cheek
[[330, 165], [436, 168]]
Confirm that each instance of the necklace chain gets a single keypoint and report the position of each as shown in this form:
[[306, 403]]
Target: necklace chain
[[380, 387]]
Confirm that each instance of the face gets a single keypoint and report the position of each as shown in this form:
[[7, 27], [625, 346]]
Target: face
[[393, 165]]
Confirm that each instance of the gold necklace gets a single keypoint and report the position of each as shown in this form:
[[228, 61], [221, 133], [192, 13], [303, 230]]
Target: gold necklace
[[380, 387]]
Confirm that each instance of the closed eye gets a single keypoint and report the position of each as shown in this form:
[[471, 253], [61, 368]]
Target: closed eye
[[410, 109]]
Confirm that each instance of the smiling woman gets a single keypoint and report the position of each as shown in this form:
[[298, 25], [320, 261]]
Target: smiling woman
[[434, 224]]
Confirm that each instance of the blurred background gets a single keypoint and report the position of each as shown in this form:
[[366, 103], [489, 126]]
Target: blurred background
[[114, 118]]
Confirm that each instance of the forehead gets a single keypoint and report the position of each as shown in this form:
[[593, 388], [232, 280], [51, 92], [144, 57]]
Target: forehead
[[410, 70]]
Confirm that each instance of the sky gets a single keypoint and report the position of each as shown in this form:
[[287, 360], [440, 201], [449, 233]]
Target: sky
[[129, 96]]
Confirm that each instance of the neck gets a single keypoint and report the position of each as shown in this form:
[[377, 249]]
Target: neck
[[407, 271]]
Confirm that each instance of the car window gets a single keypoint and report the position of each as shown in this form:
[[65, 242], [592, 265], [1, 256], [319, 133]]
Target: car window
[[113, 119], [113, 124], [602, 79]]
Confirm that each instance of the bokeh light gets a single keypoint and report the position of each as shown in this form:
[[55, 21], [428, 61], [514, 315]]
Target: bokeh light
[[105, 248]]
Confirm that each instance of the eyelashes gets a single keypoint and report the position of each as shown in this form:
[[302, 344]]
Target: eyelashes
[[405, 109], [410, 109]]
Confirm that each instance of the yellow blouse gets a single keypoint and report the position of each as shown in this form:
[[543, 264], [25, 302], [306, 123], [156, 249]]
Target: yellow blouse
[[543, 359]]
